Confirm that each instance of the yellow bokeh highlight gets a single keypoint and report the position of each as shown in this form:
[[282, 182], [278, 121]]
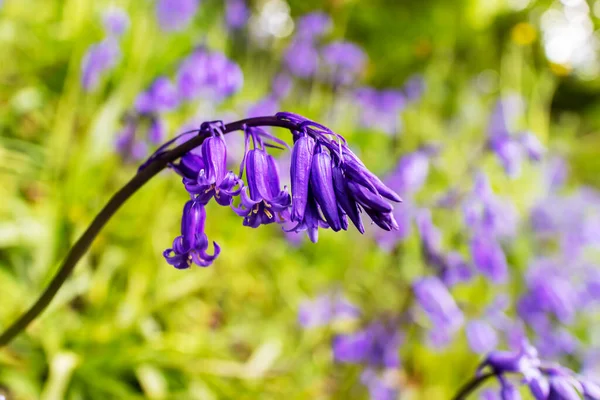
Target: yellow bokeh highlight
[[523, 34]]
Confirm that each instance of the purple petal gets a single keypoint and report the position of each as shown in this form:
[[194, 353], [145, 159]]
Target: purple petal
[[321, 180], [302, 154]]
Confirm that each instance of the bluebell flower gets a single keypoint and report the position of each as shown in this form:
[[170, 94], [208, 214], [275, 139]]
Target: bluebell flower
[[330, 184], [176, 15], [329, 179], [97, 61], [266, 202], [205, 176], [191, 246]]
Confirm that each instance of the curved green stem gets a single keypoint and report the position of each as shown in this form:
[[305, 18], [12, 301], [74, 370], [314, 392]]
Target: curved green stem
[[472, 385], [116, 201]]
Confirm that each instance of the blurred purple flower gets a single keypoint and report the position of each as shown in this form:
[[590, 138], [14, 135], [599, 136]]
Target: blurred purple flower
[[510, 148], [431, 238], [481, 336], [488, 257], [302, 59], [403, 215], [377, 346], [97, 61], [410, 174], [161, 96], [510, 154], [532, 146], [325, 309], [175, 15], [268, 105], [313, 25], [281, 85], [505, 116], [344, 60], [379, 387], [236, 14], [549, 290], [439, 305], [380, 110], [414, 88], [128, 146], [116, 21], [455, 269], [484, 211], [209, 74]]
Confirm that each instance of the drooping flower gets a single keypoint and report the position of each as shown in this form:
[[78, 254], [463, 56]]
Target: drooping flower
[[98, 60], [191, 246], [205, 176], [329, 182], [176, 15], [328, 178], [266, 202]]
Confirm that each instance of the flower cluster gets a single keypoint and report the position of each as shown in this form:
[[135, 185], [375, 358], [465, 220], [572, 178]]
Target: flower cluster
[[545, 381], [329, 185], [104, 56]]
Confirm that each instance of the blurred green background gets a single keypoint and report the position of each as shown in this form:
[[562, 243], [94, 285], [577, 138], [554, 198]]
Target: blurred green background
[[127, 325]]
